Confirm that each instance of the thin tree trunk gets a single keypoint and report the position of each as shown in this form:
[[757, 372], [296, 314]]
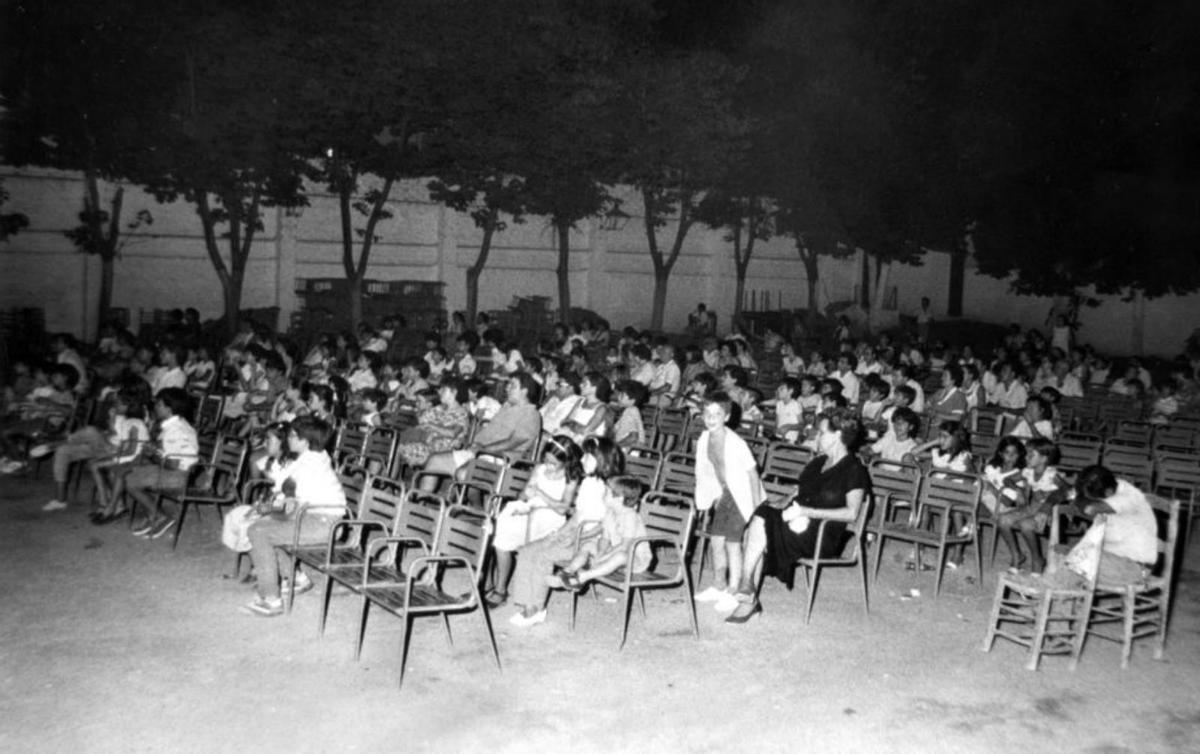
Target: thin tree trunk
[[812, 273], [564, 272], [740, 264], [476, 269]]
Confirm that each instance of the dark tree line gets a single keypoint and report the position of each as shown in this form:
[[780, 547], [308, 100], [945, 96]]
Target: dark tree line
[[1059, 136]]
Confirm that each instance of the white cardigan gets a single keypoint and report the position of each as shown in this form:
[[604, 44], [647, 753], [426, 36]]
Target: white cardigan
[[739, 462]]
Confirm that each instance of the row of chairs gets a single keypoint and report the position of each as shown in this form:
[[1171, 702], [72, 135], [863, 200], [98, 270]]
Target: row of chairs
[[397, 545]]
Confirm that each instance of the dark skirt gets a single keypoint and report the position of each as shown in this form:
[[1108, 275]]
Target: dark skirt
[[785, 547]]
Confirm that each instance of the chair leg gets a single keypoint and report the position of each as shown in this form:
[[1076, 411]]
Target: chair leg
[[878, 556], [1130, 612], [691, 603], [405, 637], [1160, 637], [449, 634], [862, 572], [625, 619], [642, 602], [812, 588], [362, 627], [487, 625], [1039, 633], [994, 621], [975, 543], [940, 568], [574, 607], [183, 509], [1083, 614], [324, 606]]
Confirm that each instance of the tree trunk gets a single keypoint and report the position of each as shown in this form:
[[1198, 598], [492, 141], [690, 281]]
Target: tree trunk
[[662, 276], [883, 274], [564, 272], [106, 288], [231, 288], [812, 273], [740, 265], [476, 270], [356, 301], [958, 271]]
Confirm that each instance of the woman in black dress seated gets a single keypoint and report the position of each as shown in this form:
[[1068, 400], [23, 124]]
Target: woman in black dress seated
[[831, 487]]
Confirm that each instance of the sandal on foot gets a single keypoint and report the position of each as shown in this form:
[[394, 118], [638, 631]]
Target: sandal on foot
[[570, 580], [495, 598]]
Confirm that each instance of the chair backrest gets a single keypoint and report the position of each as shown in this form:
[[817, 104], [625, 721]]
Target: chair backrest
[[1175, 436], [229, 463], [948, 488], [988, 420], [382, 502], [779, 487], [355, 481], [209, 411], [671, 429], [208, 442], [669, 516], [643, 463], [1078, 451], [1134, 430], [464, 533], [678, 474], [380, 447], [786, 460], [1132, 461], [899, 481], [420, 516], [1179, 477], [759, 446], [350, 442], [484, 477]]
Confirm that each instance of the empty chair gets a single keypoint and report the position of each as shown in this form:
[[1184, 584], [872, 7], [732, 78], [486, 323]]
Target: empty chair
[[461, 544], [946, 514], [216, 482], [671, 429]]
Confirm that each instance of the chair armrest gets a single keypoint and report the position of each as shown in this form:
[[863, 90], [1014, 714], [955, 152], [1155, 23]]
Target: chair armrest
[[379, 543], [251, 484], [305, 510]]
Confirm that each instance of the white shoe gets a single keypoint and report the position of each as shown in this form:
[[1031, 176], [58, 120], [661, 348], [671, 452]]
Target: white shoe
[[41, 451], [54, 505], [520, 621], [712, 594], [726, 603]]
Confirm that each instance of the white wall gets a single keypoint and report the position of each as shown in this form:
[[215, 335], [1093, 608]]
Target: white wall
[[165, 265]]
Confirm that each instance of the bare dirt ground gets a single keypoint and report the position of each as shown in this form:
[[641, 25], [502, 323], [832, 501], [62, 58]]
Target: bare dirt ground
[[109, 643]]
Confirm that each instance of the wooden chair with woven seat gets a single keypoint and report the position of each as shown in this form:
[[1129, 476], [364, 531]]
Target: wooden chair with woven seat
[[1048, 618], [944, 496], [462, 542], [668, 518], [853, 554], [1143, 608], [216, 482]]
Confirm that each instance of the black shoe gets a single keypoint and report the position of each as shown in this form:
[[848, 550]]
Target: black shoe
[[745, 617]]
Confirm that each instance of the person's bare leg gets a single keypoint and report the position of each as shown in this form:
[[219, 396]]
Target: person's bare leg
[[756, 545], [722, 577]]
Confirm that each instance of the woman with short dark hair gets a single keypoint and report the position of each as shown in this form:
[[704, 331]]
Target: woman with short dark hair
[[833, 487]]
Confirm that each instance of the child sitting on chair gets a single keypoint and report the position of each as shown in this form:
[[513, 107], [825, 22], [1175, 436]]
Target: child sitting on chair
[[614, 548]]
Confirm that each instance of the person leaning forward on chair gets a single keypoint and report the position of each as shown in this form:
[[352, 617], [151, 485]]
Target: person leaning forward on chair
[[1131, 537], [832, 486], [311, 483]]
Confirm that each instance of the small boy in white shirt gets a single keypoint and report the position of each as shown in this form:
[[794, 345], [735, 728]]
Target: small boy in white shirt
[[601, 556]]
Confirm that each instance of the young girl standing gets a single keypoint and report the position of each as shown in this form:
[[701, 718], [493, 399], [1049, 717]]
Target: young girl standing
[[541, 510], [601, 459]]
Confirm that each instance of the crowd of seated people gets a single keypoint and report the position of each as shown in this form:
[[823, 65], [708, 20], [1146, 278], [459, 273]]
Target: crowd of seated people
[[576, 404]]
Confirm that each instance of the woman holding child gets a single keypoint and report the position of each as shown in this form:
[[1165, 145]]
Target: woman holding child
[[833, 486]]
